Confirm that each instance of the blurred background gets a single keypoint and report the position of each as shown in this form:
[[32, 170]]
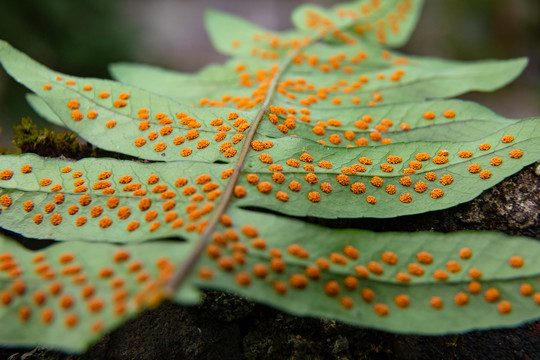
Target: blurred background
[[82, 37]]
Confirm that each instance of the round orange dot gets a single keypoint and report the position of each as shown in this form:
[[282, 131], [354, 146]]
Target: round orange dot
[[350, 282], [475, 273], [105, 272], [24, 313], [465, 253], [331, 288], [18, 287], [375, 268], [47, 315], [277, 264], [347, 302], [405, 198], [367, 295], [429, 115], [389, 257], [55, 287], [279, 287], [323, 263], [415, 269], [67, 301], [313, 272], [205, 273], [526, 289], [381, 309], [461, 299], [449, 114], [260, 270], [516, 261], [440, 275], [504, 307], [492, 295], [351, 252], [516, 154], [403, 277], [265, 187], [453, 266], [71, 320], [314, 196], [243, 278], [298, 281], [402, 301], [475, 287], [424, 257], [95, 305]]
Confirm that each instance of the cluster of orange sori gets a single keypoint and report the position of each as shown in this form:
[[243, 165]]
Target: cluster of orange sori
[[339, 61], [331, 92], [292, 89], [288, 116], [365, 123], [270, 46], [69, 82], [485, 174], [330, 128], [189, 132], [152, 194], [408, 185], [230, 249], [326, 27], [73, 104], [261, 78], [349, 13], [162, 133], [347, 64], [297, 85], [389, 22], [67, 288], [449, 114], [163, 128], [274, 41], [316, 20]]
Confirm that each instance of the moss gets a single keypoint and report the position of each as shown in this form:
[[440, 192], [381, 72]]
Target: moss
[[29, 139], [44, 142]]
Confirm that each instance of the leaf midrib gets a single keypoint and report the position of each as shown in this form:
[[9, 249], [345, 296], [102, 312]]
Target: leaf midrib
[[182, 272]]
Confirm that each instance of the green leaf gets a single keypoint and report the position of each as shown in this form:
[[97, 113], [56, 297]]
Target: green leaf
[[398, 122], [106, 199], [422, 78], [279, 127], [384, 186], [232, 35], [41, 107], [369, 81], [105, 289], [212, 82], [114, 124], [385, 22], [490, 254]]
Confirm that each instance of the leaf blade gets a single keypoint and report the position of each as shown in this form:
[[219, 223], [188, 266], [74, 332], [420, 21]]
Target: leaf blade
[[390, 22], [84, 299], [41, 107], [342, 191], [117, 125], [490, 254], [107, 200]]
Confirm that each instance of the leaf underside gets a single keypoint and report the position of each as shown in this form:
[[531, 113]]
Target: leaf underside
[[344, 127]]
